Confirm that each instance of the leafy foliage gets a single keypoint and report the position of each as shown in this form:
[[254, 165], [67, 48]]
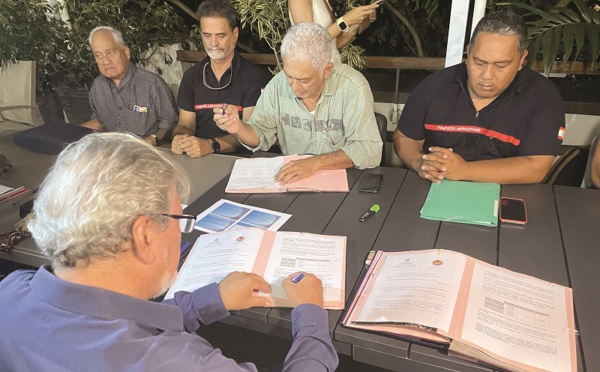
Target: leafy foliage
[[63, 52], [28, 33], [267, 19], [562, 30]]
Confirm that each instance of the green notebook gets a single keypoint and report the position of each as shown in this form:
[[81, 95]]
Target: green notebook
[[464, 202]]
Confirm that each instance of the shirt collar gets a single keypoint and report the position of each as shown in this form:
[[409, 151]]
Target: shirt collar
[[125, 80], [102, 303]]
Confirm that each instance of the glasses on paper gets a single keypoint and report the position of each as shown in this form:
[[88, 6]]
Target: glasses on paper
[[213, 88], [186, 221]]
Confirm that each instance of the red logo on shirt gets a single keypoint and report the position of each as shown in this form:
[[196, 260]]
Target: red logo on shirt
[[473, 129], [561, 133], [210, 106]]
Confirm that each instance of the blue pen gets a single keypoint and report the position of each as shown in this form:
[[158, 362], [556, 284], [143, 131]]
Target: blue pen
[[298, 278], [184, 247]]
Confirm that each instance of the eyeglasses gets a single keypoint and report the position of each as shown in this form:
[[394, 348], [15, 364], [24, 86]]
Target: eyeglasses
[[213, 88], [186, 221]]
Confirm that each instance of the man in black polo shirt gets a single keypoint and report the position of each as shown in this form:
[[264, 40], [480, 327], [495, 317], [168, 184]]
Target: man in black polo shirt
[[490, 119], [222, 78]]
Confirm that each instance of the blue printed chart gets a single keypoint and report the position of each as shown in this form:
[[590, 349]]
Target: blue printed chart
[[226, 215]]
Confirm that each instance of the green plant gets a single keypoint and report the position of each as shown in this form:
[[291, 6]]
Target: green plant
[[269, 21], [30, 32], [563, 30], [145, 24]]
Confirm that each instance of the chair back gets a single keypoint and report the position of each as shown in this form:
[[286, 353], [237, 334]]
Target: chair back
[[382, 126], [587, 178]]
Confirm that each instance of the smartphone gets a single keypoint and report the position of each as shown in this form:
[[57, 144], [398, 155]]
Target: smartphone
[[513, 211], [370, 182]]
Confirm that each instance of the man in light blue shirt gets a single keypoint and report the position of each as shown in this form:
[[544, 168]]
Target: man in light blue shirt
[[109, 217]]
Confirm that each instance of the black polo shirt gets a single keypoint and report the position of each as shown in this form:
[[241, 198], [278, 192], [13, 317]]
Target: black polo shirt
[[246, 84], [528, 118]]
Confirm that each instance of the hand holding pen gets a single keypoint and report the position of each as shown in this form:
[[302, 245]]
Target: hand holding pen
[[302, 287]]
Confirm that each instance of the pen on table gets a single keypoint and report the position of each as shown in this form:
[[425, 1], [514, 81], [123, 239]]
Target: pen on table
[[298, 278], [365, 216]]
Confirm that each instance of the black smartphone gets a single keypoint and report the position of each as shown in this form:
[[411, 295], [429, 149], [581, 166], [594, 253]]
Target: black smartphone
[[370, 182], [513, 211]]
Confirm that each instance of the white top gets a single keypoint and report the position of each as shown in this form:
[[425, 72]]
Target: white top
[[322, 16]]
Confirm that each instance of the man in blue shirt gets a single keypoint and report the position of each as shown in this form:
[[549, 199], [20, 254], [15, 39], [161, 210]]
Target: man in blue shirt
[[109, 217]]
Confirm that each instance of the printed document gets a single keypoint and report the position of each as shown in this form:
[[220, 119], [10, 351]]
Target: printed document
[[272, 255]]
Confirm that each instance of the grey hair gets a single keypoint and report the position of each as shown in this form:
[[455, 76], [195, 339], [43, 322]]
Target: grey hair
[[503, 23], [116, 34], [307, 42], [95, 191]]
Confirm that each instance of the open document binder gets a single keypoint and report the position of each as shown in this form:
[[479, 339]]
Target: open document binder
[[257, 175], [482, 312], [272, 255]]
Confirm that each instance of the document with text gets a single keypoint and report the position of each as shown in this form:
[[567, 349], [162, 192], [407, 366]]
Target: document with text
[[272, 255], [257, 175], [484, 313]]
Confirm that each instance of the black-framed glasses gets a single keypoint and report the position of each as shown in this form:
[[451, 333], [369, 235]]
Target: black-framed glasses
[[213, 88], [186, 221]]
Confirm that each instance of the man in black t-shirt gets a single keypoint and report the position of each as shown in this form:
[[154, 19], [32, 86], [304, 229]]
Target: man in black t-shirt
[[223, 79], [490, 119]]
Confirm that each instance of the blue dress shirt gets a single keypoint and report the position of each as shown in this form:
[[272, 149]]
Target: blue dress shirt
[[48, 324]]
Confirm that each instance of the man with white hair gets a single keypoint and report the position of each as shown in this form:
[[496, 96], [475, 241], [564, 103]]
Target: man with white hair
[[127, 98], [311, 107], [109, 217]]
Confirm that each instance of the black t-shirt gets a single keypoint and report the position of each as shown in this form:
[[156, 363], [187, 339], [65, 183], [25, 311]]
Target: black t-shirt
[[246, 84], [528, 118]]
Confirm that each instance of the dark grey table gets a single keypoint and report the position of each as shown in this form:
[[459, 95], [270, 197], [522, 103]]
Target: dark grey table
[[558, 244], [30, 168]]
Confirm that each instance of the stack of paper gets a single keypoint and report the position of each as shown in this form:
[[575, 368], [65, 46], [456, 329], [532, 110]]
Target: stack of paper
[[464, 202], [7, 193]]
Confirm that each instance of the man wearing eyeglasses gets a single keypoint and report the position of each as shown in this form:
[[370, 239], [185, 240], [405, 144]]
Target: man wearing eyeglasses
[[113, 236], [222, 79], [125, 97]]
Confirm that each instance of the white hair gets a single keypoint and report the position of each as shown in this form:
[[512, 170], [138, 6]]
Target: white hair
[[95, 191], [307, 42], [116, 34]]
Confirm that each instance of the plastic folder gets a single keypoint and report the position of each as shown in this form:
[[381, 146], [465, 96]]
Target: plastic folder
[[464, 202]]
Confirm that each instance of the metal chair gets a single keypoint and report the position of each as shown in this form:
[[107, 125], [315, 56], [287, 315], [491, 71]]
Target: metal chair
[[587, 178], [382, 126]]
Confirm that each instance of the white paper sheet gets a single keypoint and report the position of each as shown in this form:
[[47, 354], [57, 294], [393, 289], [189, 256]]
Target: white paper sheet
[[320, 255], [419, 288], [216, 255], [518, 317]]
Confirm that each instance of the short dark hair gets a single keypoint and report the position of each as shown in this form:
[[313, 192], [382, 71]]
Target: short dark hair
[[218, 8], [503, 23]]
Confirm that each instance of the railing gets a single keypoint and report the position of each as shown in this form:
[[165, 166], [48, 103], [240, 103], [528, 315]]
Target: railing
[[395, 63]]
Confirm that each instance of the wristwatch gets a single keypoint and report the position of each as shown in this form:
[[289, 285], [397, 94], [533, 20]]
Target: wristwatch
[[343, 25], [215, 146]]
